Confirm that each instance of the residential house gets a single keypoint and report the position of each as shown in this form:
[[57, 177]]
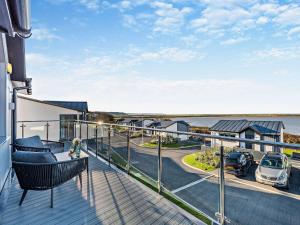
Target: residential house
[[178, 125], [258, 130], [135, 122], [62, 112]]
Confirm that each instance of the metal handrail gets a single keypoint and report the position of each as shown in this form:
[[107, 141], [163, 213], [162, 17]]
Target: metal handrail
[[221, 138], [95, 125]]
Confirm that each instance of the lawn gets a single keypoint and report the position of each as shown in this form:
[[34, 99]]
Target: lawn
[[202, 160], [288, 152]]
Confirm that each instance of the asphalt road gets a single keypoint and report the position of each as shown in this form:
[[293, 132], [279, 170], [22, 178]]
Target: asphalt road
[[246, 202]]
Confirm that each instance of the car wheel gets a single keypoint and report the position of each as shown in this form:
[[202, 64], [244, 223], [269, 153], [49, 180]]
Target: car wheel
[[287, 187]]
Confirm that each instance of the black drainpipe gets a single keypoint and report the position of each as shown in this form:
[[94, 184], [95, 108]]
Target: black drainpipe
[[14, 111]]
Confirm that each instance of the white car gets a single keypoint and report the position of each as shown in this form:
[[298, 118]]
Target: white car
[[274, 169]]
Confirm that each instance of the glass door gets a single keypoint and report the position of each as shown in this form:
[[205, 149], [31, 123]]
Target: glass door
[[67, 127]]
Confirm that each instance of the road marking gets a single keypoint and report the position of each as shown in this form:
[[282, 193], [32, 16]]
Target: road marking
[[191, 184]]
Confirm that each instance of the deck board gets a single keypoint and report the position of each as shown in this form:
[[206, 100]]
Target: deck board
[[106, 197]]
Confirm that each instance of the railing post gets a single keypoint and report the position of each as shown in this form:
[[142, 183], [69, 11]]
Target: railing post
[[109, 147], [75, 128], [47, 131], [96, 133], [80, 130], [87, 136], [22, 126], [68, 130], [221, 213], [159, 171], [128, 151]]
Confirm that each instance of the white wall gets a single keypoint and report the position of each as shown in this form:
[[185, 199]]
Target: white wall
[[29, 110], [5, 114], [229, 144], [173, 127], [256, 147], [243, 144]]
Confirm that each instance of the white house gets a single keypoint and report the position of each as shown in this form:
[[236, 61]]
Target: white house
[[178, 125], [135, 122], [56, 112], [258, 130]]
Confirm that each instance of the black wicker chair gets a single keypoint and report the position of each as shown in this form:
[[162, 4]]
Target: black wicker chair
[[35, 144], [44, 175]]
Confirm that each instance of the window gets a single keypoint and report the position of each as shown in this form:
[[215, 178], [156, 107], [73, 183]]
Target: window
[[67, 128], [227, 135]]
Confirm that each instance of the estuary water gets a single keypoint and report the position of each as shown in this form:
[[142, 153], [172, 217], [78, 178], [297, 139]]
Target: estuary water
[[291, 123]]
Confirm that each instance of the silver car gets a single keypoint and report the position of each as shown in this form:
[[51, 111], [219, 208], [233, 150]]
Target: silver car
[[274, 169]]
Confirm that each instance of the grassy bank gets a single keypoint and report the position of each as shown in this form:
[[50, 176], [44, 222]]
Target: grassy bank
[[289, 152], [193, 161]]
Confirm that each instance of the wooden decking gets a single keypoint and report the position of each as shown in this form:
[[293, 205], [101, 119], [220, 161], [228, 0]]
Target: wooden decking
[[107, 197]]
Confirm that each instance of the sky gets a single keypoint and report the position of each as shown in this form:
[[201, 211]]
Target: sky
[[167, 56]]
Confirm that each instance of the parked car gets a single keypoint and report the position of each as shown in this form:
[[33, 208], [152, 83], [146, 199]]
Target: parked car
[[274, 169], [238, 163]]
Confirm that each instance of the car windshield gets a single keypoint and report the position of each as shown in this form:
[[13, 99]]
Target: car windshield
[[231, 160], [275, 163]]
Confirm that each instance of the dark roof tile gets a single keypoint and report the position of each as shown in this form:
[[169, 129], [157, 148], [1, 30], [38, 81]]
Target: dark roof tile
[[237, 126], [79, 106]]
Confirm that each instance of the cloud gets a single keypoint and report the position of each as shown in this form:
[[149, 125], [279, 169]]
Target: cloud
[[294, 31], [93, 5], [37, 59], [231, 17], [287, 53], [171, 54], [169, 18], [130, 21], [291, 16], [262, 20], [215, 20], [233, 41], [41, 34]]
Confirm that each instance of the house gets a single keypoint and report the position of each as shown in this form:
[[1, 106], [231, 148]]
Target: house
[[30, 109], [178, 125], [134, 122], [258, 130]]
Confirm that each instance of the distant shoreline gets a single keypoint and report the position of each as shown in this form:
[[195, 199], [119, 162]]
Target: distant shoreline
[[206, 115]]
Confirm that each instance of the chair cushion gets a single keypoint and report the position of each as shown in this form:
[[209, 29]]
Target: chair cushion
[[34, 157], [34, 141]]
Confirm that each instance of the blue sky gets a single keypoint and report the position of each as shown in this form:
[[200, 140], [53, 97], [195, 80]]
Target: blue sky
[[168, 56]]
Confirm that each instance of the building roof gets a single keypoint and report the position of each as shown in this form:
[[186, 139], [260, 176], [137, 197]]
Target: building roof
[[166, 123], [238, 126], [78, 106]]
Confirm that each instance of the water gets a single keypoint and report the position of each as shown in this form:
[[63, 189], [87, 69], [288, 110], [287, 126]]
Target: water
[[292, 123]]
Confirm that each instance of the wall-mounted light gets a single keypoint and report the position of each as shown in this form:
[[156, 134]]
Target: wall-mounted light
[[9, 68]]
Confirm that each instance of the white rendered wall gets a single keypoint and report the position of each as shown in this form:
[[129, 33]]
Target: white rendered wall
[[256, 147], [173, 127], [228, 144], [5, 114], [29, 110]]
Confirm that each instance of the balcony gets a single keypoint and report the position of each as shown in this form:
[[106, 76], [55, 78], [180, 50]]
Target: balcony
[[132, 183], [107, 196]]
